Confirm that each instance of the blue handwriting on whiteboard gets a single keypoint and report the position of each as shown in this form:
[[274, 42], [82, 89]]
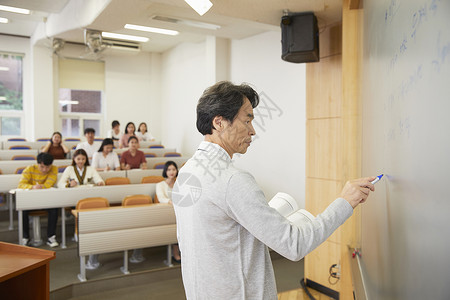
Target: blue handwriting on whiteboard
[[442, 52], [391, 11]]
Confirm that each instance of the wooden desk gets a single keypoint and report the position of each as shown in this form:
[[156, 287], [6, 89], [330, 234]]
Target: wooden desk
[[24, 272]]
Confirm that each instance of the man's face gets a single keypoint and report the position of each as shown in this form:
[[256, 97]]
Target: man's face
[[43, 168], [90, 137], [237, 136]]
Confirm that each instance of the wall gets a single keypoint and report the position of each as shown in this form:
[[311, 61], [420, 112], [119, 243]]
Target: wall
[[132, 91], [282, 88], [280, 117], [183, 79]]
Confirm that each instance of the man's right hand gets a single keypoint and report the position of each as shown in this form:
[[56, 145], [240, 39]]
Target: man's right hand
[[356, 191]]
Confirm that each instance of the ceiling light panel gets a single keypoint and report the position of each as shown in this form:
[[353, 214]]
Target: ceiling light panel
[[151, 29], [200, 6], [4, 20], [15, 9], [190, 23], [125, 37]]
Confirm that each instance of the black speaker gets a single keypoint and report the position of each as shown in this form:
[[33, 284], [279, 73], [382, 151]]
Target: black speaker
[[300, 38]]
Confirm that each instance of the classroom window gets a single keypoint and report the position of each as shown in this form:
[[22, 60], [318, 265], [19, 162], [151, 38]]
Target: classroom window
[[11, 126], [11, 94], [81, 103]]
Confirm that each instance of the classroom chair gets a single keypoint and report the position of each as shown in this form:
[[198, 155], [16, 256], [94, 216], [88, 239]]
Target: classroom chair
[[61, 169], [149, 154], [23, 157], [17, 140], [137, 200], [72, 140], [117, 180], [19, 170], [74, 147], [19, 147], [43, 140], [152, 179], [159, 165], [89, 203], [172, 154], [137, 256], [156, 146]]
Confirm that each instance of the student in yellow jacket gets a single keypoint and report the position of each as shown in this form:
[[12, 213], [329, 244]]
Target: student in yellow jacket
[[40, 176]]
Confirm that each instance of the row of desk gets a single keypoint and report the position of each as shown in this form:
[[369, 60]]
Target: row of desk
[[8, 154], [10, 166], [62, 198], [39, 145], [10, 182]]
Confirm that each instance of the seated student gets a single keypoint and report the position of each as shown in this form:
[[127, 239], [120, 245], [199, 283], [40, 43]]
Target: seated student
[[89, 146], [55, 146], [143, 134], [105, 159], [129, 131], [114, 133], [133, 158], [164, 194], [40, 176], [80, 172]]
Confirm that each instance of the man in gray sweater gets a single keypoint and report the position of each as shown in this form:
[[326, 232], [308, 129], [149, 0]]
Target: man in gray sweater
[[224, 223]]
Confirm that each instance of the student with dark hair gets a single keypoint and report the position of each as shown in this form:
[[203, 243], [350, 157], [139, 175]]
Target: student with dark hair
[[164, 194], [143, 133], [105, 159], [55, 146], [129, 132], [224, 223], [133, 158], [89, 146], [40, 176], [80, 172], [114, 133]]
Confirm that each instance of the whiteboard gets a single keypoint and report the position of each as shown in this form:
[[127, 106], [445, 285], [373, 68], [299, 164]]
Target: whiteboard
[[405, 242]]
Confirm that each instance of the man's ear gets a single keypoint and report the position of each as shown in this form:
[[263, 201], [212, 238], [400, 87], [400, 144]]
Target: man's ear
[[218, 123]]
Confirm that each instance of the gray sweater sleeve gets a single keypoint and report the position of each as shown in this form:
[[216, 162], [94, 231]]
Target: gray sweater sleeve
[[248, 206]]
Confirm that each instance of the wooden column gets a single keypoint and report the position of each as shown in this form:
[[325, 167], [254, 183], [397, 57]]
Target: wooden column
[[351, 87], [324, 147], [334, 141]]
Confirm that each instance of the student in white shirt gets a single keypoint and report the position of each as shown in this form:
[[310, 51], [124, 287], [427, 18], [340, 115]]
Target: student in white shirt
[[164, 194], [143, 134], [105, 159], [114, 133], [80, 172], [89, 146]]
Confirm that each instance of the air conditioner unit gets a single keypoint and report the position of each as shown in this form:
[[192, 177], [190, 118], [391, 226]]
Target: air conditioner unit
[[121, 45]]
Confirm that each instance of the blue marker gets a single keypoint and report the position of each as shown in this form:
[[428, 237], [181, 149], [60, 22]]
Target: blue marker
[[377, 179]]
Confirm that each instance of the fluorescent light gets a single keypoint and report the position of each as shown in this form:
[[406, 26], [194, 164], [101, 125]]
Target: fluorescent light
[[2, 98], [4, 20], [15, 9], [200, 6], [64, 102], [125, 37], [4, 69], [151, 29]]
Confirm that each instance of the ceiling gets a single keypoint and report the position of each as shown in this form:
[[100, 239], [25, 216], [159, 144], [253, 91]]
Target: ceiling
[[66, 19]]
